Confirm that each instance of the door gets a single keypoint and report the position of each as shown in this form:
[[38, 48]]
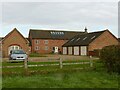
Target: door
[[64, 50], [56, 50], [70, 50], [76, 50], [83, 50], [15, 47]]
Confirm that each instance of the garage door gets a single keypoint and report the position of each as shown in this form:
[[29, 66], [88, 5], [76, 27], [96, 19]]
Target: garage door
[[83, 50], [70, 50], [76, 50], [64, 50], [14, 47]]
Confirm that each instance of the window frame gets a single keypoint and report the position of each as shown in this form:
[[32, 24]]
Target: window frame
[[46, 41], [46, 48], [37, 41], [36, 47]]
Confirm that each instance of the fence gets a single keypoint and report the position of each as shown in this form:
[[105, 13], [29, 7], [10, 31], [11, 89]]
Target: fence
[[51, 62], [61, 64]]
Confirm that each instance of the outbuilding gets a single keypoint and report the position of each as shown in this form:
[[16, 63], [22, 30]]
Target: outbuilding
[[87, 43], [50, 41], [14, 41]]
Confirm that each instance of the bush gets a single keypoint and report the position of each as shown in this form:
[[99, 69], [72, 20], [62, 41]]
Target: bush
[[110, 55], [36, 55]]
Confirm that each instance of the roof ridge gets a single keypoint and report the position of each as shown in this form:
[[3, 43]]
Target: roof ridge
[[97, 31], [54, 30], [14, 29], [92, 32]]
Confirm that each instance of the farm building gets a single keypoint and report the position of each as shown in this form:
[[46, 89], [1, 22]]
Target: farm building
[[54, 41], [1, 43], [88, 43], [12, 41], [119, 40], [49, 41]]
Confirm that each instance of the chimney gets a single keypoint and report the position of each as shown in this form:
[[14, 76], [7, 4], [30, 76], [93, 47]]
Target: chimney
[[85, 30]]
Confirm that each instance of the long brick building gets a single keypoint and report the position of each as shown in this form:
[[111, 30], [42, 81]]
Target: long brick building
[[55, 41], [49, 41], [87, 43]]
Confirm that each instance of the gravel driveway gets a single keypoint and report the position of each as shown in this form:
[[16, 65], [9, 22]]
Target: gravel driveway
[[56, 57]]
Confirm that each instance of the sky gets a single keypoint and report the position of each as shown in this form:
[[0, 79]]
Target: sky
[[71, 16]]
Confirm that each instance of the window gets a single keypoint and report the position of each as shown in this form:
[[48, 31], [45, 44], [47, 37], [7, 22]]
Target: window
[[93, 37], [14, 47], [78, 39], [37, 41], [62, 32], [46, 41], [17, 47], [46, 48], [72, 40], [84, 38], [36, 48], [57, 33]]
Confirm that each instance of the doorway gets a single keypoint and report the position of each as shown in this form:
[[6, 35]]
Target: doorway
[[55, 49], [14, 47]]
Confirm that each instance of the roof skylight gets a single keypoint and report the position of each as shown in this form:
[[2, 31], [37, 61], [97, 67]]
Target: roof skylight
[[93, 37], [57, 33], [78, 39], [72, 40], [84, 38]]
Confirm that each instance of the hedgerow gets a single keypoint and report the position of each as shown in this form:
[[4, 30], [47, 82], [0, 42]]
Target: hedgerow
[[110, 55]]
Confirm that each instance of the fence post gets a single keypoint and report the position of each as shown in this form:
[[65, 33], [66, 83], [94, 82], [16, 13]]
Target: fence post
[[91, 62], [26, 67], [25, 64], [61, 65]]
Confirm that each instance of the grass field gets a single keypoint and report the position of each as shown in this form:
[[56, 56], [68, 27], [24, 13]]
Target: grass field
[[71, 76], [40, 69], [82, 79]]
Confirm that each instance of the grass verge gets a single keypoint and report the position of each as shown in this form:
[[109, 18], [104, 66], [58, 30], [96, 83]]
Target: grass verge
[[71, 76], [76, 79]]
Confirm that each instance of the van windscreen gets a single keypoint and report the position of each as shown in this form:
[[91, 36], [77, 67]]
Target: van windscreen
[[18, 52]]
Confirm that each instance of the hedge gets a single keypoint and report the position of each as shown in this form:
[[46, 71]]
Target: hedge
[[110, 55]]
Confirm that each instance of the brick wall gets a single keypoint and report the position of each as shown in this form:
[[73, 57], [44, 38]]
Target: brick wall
[[14, 39], [42, 45], [1, 45], [103, 40]]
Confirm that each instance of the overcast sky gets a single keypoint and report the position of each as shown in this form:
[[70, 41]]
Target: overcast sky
[[96, 16]]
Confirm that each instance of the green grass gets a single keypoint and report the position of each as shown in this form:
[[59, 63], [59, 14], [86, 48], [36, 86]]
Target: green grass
[[11, 63], [41, 69], [37, 55], [79, 79], [71, 76]]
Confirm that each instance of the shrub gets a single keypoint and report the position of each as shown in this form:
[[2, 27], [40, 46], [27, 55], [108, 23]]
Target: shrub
[[36, 55], [110, 55]]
